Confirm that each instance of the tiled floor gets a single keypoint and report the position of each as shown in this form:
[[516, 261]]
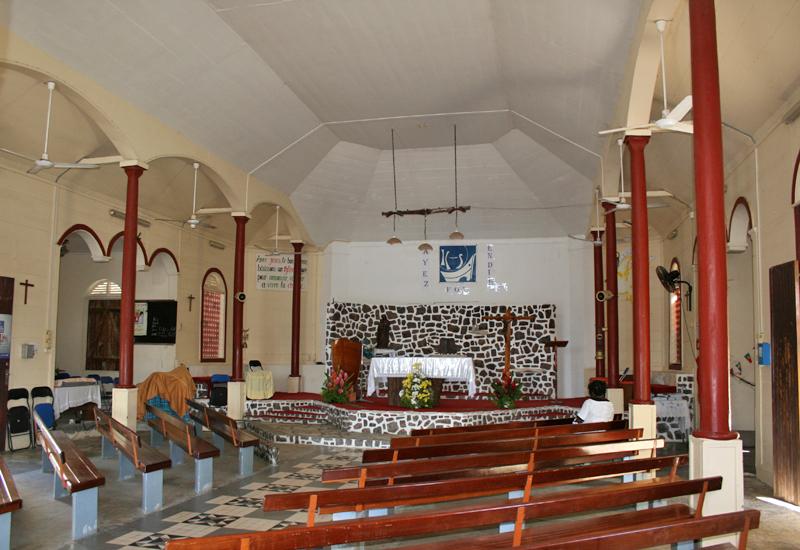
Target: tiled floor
[[234, 508]]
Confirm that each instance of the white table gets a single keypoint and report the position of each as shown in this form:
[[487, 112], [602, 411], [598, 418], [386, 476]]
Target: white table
[[449, 367], [67, 397]]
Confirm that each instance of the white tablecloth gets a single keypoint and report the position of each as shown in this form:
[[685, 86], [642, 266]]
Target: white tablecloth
[[449, 367], [67, 397]]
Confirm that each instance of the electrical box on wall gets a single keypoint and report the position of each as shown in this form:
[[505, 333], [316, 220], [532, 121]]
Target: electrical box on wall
[[28, 351], [764, 354]]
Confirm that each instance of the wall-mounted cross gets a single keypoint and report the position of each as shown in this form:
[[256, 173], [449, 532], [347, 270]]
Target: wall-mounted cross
[[191, 298], [27, 285]]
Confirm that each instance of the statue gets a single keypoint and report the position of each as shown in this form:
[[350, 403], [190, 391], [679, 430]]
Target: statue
[[384, 333]]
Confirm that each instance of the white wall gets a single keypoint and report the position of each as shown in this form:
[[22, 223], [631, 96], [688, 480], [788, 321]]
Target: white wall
[[536, 271]]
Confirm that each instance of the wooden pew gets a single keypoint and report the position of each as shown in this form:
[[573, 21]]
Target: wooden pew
[[499, 446], [9, 502], [183, 439], [134, 455], [438, 521], [489, 463], [504, 433], [224, 429], [73, 474], [327, 501], [484, 427]]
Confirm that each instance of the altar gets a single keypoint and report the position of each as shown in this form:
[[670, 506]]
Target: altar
[[435, 367]]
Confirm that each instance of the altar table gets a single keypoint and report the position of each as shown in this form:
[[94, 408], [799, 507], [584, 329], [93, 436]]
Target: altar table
[[447, 367], [68, 397]]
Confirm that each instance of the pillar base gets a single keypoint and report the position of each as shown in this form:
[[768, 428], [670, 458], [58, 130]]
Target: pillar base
[[617, 398], [123, 406], [236, 400], [711, 457], [294, 384]]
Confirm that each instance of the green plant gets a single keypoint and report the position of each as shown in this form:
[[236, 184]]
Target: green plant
[[417, 392], [336, 388], [506, 392]]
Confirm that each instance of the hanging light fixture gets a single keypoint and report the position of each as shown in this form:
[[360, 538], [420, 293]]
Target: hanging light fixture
[[394, 239], [455, 235], [425, 246]]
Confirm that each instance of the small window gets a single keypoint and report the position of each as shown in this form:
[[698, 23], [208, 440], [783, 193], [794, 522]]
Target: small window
[[675, 323], [212, 317], [106, 288]]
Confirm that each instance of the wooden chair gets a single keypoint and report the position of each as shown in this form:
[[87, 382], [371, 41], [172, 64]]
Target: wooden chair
[[73, 474], [346, 355], [134, 455], [223, 428], [183, 439]]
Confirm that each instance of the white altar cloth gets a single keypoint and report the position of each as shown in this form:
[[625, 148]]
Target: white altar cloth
[[449, 367], [67, 397]]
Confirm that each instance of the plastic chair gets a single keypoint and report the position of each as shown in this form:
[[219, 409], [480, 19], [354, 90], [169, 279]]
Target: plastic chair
[[19, 393], [41, 392], [254, 364], [63, 375], [218, 392], [18, 418], [46, 413]]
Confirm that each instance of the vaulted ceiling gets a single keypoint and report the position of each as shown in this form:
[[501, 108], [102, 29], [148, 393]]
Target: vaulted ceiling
[[305, 92]]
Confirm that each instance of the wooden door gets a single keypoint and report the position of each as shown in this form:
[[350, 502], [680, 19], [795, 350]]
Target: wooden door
[[6, 309], [784, 292]]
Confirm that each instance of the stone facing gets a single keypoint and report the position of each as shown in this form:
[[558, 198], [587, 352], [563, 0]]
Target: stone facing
[[416, 330]]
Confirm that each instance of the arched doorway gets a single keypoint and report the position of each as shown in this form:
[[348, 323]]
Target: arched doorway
[[741, 327]]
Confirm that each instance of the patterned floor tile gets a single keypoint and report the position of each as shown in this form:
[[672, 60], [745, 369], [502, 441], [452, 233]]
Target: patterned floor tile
[[190, 530], [222, 499], [292, 481], [180, 516], [284, 524], [253, 524], [231, 510], [156, 540], [256, 494], [212, 520], [252, 486], [256, 502], [298, 475], [129, 538]]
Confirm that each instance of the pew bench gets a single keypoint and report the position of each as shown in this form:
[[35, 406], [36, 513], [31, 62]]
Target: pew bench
[[484, 515], [504, 433], [488, 427], [10, 501], [224, 428], [500, 446], [370, 498], [183, 440], [488, 463], [73, 474], [134, 455]]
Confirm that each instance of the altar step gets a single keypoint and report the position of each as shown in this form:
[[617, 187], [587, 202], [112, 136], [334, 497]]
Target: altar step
[[273, 431], [301, 414]]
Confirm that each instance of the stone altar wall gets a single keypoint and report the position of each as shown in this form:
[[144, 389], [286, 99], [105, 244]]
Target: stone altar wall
[[416, 330]]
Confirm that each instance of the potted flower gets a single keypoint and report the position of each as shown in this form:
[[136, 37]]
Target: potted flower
[[336, 388], [506, 392], [417, 392]]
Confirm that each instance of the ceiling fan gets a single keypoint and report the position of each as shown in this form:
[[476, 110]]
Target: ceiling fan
[[194, 221], [595, 231], [671, 120], [44, 162], [621, 200], [278, 237]]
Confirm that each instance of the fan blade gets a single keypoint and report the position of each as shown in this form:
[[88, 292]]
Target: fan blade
[[625, 129], [681, 109], [71, 165], [685, 127], [169, 220], [10, 152], [36, 168], [101, 160]]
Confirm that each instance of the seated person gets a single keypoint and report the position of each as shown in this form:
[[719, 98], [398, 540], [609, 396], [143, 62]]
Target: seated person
[[597, 408]]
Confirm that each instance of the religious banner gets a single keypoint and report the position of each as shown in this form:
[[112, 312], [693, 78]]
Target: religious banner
[[276, 272], [140, 319], [458, 264]]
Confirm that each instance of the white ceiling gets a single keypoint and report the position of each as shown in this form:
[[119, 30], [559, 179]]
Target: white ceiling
[[292, 82]]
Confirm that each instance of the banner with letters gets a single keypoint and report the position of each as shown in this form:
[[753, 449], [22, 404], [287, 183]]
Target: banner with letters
[[276, 272]]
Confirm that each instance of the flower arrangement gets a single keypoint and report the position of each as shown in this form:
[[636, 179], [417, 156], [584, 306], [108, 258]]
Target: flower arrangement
[[506, 393], [336, 388], [417, 392]]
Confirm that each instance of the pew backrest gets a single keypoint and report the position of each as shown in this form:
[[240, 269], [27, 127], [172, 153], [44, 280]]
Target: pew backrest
[[220, 424], [144, 457], [9, 496], [72, 467], [181, 433]]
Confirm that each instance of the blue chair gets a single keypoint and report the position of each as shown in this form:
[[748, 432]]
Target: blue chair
[[47, 414], [62, 375], [106, 380], [220, 378], [95, 377], [218, 392]]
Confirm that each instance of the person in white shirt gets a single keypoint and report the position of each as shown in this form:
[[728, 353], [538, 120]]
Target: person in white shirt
[[597, 408]]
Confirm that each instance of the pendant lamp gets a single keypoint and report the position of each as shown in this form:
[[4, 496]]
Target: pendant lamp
[[394, 239], [425, 246], [455, 235]]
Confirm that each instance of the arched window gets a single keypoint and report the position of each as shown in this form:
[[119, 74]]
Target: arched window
[[675, 322], [212, 316], [105, 288]]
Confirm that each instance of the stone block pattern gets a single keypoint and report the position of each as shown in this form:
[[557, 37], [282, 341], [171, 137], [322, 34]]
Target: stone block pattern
[[416, 330]]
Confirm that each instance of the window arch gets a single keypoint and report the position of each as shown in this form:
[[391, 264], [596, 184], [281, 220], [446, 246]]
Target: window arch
[[212, 317], [105, 288], [675, 322]]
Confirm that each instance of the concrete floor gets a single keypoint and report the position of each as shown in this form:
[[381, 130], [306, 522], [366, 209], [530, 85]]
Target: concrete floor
[[44, 523]]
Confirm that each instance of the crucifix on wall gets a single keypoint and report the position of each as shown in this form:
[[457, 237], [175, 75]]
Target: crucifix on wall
[[191, 299], [27, 285], [508, 318]]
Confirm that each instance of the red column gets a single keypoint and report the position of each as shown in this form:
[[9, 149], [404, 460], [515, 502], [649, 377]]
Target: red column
[[641, 275], [612, 314], [711, 251], [238, 305], [128, 299], [296, 288], [599, 309]]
